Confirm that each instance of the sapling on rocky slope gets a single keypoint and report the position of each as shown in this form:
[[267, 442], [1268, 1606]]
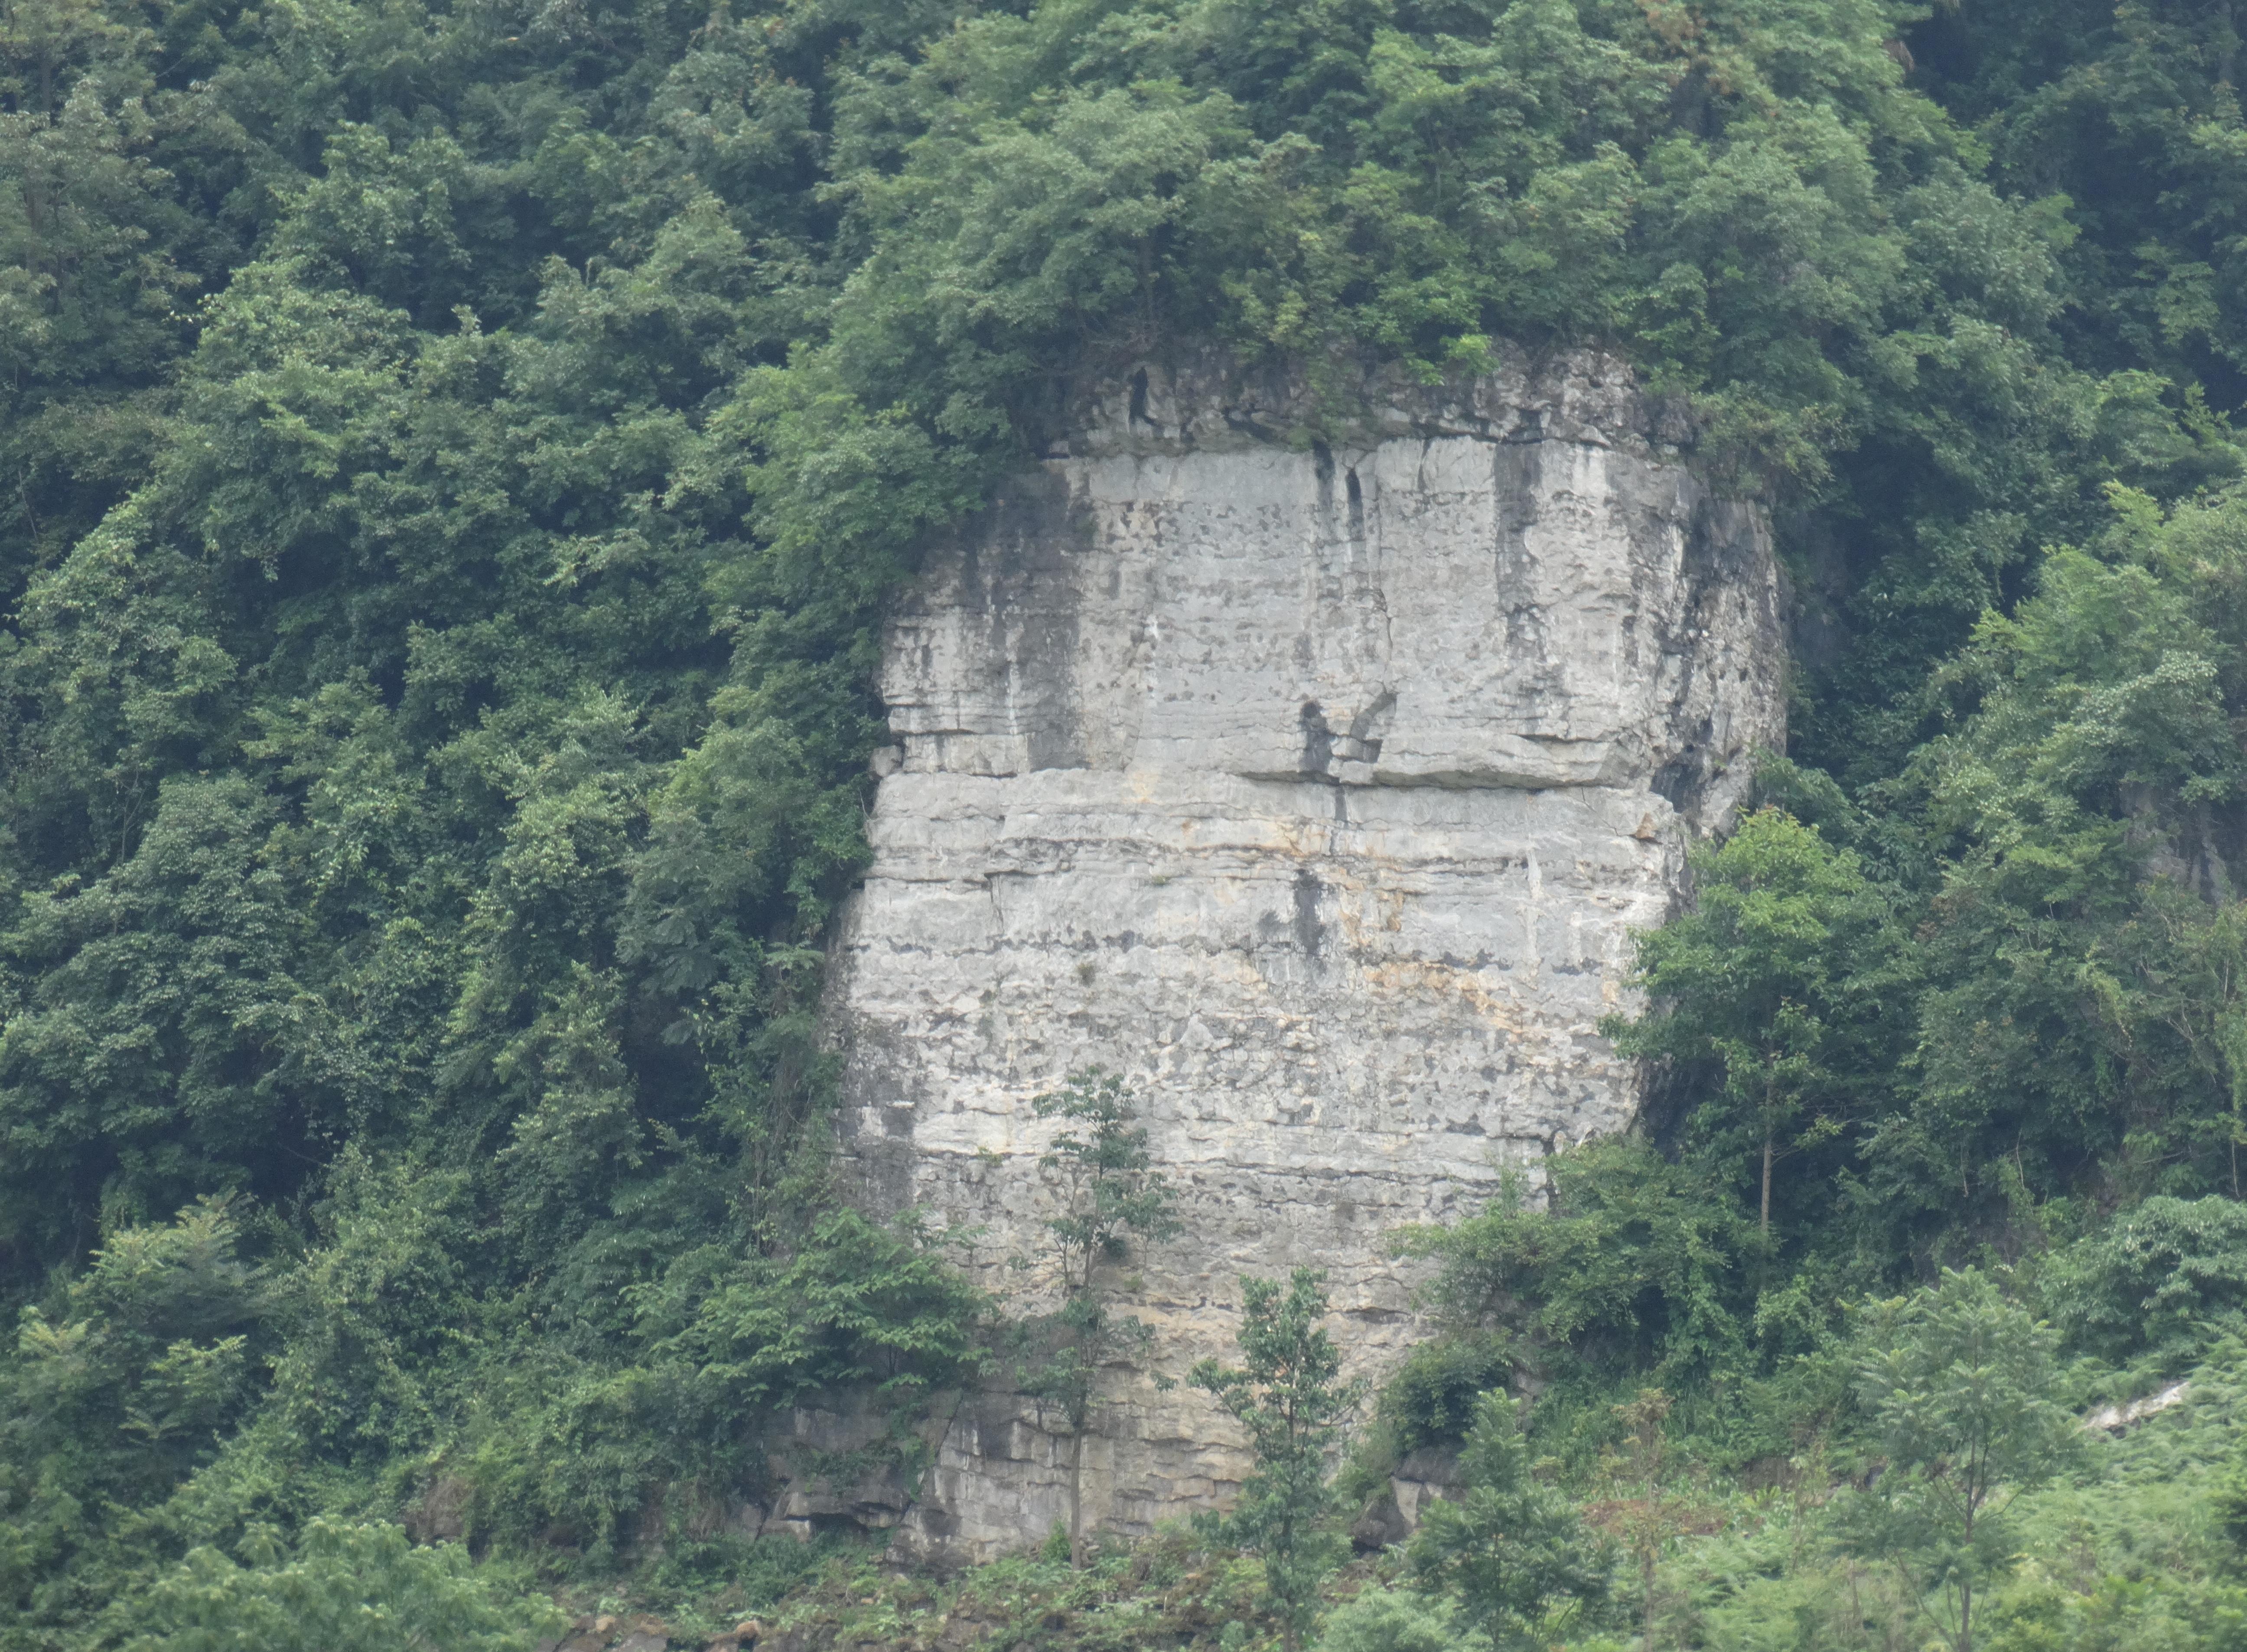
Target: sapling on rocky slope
[[1110, 1197]]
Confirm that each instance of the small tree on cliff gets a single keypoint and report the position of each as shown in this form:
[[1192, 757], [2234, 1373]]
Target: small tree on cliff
[[1290, 1400], [1512, 1552], [1761, 980], [1110, 1196]]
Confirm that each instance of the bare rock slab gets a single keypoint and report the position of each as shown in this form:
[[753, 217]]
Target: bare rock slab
[[1317, 788]]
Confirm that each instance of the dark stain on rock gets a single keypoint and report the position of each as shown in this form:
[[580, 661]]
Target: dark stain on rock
[[1310, 935], [1318, 740]]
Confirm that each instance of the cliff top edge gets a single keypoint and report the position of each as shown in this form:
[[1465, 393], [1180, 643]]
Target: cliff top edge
[[1210, 403]]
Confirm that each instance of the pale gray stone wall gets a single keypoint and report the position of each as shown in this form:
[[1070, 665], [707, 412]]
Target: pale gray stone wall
[[1318, 789]]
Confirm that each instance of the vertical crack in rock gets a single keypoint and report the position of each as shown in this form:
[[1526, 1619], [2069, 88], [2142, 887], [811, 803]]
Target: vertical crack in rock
[[1318, 793]]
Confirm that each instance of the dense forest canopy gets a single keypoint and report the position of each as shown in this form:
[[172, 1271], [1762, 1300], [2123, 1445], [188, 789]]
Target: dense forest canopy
[[453, 460]]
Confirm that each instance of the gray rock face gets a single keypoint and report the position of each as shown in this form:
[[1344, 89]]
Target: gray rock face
[[1319, 793]]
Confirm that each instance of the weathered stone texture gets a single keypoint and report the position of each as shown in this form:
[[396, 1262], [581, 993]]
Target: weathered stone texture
[[1317, 790]]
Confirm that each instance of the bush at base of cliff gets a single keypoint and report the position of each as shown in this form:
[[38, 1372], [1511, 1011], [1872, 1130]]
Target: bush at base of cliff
[[341, 1588]]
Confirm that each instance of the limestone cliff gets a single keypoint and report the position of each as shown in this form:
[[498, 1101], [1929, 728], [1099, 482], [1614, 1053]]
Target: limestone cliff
[[1317, 790]]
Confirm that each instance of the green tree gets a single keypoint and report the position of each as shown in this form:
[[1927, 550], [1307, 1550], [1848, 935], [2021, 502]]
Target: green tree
[[341, 1588], [1290, 1397], [452, 468], [1648, 1519], [2075, 97], [1778, 977], [2082, 1013], [2159, 1275], [1956, 1383], [1633, 1265], [144, 1355], [1110, 1196], [123, 1384], [1511, 1551]]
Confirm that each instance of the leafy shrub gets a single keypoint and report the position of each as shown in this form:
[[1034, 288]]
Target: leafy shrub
[[1291, 1401], [120, 1389], [573, 1447], [343, 1588], [1955, 1381], [2152, 1279], [1397, 1621], [1633, 1263], [1431, 1401], [1513, 1553]]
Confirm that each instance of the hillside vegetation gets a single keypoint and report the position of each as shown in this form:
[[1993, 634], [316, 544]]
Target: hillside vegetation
[[453, 461]]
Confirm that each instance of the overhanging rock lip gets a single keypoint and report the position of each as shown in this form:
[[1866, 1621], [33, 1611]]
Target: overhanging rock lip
[[1595, 771]]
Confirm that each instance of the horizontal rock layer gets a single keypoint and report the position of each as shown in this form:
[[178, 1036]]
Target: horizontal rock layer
[[1318, 790]]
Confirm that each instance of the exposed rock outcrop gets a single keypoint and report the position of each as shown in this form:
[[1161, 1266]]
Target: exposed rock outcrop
[[1318, 789]]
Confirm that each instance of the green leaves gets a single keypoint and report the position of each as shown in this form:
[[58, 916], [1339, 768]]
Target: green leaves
[[169, 1043], [1956, 1382], [2162, 1276], [2076, 960], [1109, 1196], [340, 1588], [858, 1306], [456, 467], [1111, 1192], [1778, 977], [1634, 1264], [1512, 1553], [121, 1387], [1378, 1620], [1292, 1400]]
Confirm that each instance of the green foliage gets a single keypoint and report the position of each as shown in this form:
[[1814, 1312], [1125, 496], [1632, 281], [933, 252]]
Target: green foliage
[[2082, 992], [121, 1386], [722, 1344], [1511, 1553], [1110, 1189], [1378, 1620], [1632, 1266], [1290, 1399], [2127, 1554], [1956, 1384], [2073, 99], [1432, 1399], [342, 1589], [1110, 1195], [1994, 995], [1780, 977], [456, 463], [2156, 1277]]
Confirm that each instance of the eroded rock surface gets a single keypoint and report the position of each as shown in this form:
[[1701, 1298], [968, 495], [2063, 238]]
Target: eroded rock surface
[[1316, 790]]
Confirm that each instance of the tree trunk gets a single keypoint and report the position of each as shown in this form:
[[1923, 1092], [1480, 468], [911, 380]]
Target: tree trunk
[[1766, 1181], [1076, 1499], [1647, 1557], [1966, 1589]]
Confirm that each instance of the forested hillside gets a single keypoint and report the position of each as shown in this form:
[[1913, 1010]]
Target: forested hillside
[[453, 460]]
